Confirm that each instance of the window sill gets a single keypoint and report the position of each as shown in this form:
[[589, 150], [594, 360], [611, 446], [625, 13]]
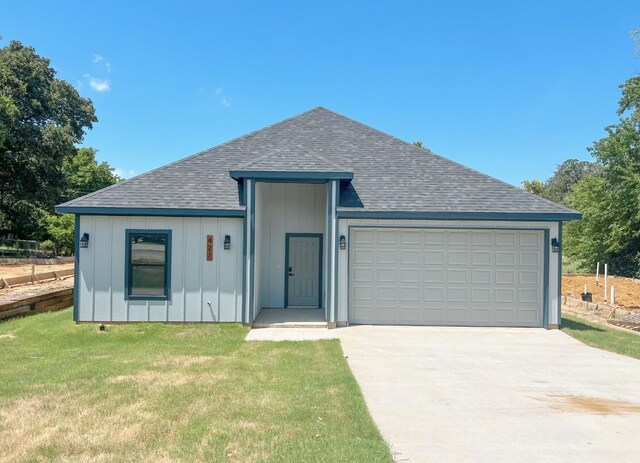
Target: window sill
[[146, 298]]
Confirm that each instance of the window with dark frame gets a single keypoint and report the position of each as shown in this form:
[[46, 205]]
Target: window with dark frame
[[148, 263]]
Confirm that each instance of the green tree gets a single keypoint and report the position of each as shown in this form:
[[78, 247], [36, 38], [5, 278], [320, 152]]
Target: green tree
[[41, 119], [610, 198], [534, 186], [419, 144], [61, 231], [83, 174], [559, 185]]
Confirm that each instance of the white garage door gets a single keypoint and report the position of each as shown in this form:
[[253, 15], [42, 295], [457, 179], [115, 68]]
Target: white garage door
[[446, 277]]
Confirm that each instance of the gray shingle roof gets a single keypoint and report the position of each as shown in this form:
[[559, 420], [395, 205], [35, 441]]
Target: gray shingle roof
[[388, 174], [294, 159]]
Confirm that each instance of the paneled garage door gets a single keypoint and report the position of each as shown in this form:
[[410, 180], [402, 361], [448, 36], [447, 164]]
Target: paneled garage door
[[446, 277]]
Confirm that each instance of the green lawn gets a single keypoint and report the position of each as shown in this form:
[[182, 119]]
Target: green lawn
[[601, 336], [169, 393]]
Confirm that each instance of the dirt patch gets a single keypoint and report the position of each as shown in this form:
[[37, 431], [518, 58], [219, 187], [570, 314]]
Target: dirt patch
[[595, 405], [17, 270], [627, 290], [17, 293]]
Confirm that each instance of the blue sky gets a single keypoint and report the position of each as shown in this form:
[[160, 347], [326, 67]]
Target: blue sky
[[508, 88]]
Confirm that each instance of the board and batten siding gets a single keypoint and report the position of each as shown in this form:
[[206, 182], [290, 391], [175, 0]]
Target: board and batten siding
[[284, 208], [195, 282], [343, 264]]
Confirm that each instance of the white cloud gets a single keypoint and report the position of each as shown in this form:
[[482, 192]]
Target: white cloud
[[124, 173], [218, 91], [97, 58], [99, 85], [225, 102]]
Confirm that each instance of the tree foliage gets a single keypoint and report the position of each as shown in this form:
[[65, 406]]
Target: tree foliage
[[41, 120], [559, 185], [83, 174]]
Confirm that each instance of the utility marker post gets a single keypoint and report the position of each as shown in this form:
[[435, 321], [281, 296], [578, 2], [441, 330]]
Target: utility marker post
[[597, 273], [606, 272]]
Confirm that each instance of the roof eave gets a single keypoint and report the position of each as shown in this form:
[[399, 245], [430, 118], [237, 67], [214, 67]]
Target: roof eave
[[462, 215], [290, 175], [149, 211]]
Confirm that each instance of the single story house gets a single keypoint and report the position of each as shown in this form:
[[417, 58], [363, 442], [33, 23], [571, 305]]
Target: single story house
[[324, 212]]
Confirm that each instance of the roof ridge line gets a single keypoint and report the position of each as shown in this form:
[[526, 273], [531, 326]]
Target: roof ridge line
[[166, 166]]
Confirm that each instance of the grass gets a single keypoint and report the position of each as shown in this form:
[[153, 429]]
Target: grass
[[602, 336], [170, 393]]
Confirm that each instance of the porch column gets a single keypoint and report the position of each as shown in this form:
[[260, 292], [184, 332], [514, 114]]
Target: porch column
[[332, 252], [249, 251]]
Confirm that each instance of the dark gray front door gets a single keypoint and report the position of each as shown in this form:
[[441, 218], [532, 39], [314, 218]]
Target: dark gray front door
[[304, 268]]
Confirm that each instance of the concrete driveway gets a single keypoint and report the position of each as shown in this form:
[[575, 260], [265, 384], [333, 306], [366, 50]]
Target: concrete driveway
[[494, 394]]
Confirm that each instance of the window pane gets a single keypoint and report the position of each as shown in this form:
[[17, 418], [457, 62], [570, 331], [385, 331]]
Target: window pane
[[148, 249], [148, 252], [147, 280]]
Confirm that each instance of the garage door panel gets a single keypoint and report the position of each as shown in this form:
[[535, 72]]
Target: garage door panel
[[505, 239], [505, 277], [433, 294], [507, 315], [529, 239], [529, 259], [409, 257], [386, 275], [479, 295], [457, 294], [482, 258], [411, 238], [505, 295], [386, 257], [364, 256], [458, 258], [458, 238], [456, 315], [433, 237], [411, 275], [446, 277], [481, 239], [483, 276], [458, 276], [363, 275], [505, 258], [528, 277], [480, 315], [433, 257]]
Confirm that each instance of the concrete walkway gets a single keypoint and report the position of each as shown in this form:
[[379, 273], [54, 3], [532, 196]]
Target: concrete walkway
[[290, 334], [498, 395]]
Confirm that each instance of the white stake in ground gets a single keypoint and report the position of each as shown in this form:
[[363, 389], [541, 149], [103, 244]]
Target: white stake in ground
[[597, 273], [613, 294], [606, 272]]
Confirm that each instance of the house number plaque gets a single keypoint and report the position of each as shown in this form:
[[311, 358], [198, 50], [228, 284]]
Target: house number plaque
[[209, 247]]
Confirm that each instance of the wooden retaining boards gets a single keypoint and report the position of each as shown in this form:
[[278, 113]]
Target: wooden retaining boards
[[23, 279], [46, 302]]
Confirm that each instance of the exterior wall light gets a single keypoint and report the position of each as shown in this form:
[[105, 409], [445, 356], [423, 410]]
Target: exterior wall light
[[84, 241], [555, 245], [343, 242], [227, 242]]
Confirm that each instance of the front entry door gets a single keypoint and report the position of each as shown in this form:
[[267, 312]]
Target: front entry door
[[304, 268]]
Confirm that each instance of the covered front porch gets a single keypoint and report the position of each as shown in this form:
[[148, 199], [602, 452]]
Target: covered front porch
[[291, 240]]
